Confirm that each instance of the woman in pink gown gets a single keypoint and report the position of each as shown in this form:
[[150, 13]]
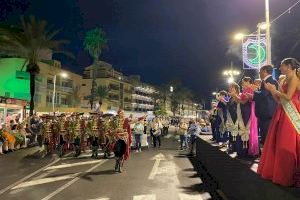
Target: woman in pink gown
[[280, 160]]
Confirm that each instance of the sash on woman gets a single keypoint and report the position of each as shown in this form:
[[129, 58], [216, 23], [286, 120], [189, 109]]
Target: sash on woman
[[292, 113]]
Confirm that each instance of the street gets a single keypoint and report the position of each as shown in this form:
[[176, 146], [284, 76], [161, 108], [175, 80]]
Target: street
[[161, 173]]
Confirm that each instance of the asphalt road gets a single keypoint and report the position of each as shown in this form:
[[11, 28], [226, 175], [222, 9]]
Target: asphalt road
[[154, 174]]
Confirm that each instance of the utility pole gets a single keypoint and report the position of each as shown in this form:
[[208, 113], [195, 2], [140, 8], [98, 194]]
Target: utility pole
[[268, 32]]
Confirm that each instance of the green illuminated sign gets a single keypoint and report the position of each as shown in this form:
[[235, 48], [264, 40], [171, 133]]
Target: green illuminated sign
[[254, 53]]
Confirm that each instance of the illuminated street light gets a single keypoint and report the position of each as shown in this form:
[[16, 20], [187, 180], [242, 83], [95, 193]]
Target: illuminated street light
[[239, 36], [214, 93], [171, 89], [263, 26], [63, 75], [230, 80]]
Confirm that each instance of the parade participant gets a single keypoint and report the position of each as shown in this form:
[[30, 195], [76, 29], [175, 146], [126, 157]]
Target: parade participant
[[246, 97], [138, 132], [232, 125], [221, 135], [265, 105], [213, 121], [95, 138], [126, 126], [239, 127], [280, 160]]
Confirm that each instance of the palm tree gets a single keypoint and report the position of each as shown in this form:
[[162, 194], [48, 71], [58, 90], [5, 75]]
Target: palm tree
[[102, 93], [29, 42], [94, 42]]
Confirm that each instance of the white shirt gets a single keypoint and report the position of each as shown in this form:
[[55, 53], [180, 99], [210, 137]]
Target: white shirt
[[267, 77]]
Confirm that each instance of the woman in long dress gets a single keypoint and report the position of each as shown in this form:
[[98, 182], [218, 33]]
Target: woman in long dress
[[280, 160]]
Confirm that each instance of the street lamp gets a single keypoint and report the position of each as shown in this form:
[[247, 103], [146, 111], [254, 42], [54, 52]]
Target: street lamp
[[268, 32], [231, 74], [239, 36], [63, 75], [171, 89]]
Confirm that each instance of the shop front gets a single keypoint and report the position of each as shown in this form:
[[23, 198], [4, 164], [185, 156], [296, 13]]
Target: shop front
[[12, 109]]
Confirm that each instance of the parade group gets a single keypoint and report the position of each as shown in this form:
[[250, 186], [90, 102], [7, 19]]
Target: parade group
[[76, 132], [262, 120]]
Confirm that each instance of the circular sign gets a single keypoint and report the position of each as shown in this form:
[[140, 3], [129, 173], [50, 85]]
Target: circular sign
[[254, 54]]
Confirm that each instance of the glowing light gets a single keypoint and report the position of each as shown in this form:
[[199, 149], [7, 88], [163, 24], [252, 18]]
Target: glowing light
[[239, 36], [230, 80], [64, 75], [263, 26]]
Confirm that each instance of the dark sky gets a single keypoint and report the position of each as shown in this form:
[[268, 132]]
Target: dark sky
[[163, 40]]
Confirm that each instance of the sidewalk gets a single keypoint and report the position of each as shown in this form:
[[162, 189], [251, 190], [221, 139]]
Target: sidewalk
[[235, 179]]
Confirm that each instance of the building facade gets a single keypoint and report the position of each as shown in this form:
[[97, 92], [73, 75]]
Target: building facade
[[142, 95], [119, 86]]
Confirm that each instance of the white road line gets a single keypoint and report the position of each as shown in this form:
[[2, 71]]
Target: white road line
[[45, 174], [154, 170], [81, 156], [183, 196], [145, 197], [45, 180], [29, 176], [73, 164], [72, 181]]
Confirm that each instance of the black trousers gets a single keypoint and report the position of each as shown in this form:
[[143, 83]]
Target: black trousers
[[263, 125], [157, 139]]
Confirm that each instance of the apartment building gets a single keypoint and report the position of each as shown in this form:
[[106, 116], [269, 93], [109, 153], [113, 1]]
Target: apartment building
[[120, 88]]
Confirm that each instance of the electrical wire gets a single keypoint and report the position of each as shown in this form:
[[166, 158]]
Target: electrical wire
[[279, 16]]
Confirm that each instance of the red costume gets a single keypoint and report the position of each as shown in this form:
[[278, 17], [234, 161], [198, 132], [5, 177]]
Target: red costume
[[126, 126]]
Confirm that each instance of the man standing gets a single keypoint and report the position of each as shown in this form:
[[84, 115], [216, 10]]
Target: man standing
[[265, 104]]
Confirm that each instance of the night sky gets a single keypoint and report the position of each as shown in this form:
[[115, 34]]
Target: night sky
[[162, 40]]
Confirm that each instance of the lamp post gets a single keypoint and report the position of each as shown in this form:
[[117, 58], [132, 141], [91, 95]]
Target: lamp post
[[63, 75], [268, 32], [231, 74]]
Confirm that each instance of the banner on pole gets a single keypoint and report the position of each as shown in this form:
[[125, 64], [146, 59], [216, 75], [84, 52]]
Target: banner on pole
[[254, 51]]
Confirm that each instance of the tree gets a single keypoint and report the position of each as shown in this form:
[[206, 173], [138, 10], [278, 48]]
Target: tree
[[102, 93], [174, 102], [94, 42], [185, 94], [29, 42], [160, 109]]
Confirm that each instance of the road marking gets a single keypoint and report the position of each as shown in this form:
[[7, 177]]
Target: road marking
[[145, 197], [44, 180], [72, 181], [82, 156], [183, 196], [73, 164], [159, 157], [45, 174], [29, 176]]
